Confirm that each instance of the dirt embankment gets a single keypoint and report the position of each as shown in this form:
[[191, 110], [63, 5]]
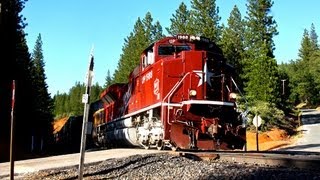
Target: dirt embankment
[[272, 139]]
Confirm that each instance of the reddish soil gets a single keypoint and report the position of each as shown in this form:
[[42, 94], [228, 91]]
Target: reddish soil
[[273, 139], [58, 124]]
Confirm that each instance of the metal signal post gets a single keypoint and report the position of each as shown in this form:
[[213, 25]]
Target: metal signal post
[[85, 100]]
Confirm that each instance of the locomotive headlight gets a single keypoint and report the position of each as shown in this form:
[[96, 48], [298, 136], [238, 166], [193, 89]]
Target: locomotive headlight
[[232, 96], [192, 93]]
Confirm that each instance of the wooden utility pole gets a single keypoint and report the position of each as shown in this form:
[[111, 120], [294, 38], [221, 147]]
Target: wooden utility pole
[[283, 80]]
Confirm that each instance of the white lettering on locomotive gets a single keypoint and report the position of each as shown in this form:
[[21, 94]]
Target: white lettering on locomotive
[[147, 77]]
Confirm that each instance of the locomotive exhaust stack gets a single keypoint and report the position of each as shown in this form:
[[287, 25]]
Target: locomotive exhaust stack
[[181, 96]]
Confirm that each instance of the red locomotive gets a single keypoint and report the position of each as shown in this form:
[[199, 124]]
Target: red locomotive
[[180, 96]]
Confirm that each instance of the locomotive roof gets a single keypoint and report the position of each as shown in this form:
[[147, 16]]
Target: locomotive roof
[[165, 39], [185, 37]]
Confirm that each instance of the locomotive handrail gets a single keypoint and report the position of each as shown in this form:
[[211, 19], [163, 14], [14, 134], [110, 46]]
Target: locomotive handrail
[[244, 113], [175, 87], [171, 92]]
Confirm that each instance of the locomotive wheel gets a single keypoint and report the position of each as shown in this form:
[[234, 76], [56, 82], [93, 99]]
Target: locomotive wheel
[[146, 146], [160, 145], [173, 146]]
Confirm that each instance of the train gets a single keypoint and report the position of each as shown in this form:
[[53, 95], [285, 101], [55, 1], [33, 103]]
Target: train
[[181, 96]]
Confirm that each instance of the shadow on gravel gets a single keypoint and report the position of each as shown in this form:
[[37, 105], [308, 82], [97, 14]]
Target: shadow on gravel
[[298, 147], [126, 167]]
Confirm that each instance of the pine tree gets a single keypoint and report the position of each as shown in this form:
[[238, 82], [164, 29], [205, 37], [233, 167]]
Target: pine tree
[[306, 84], [180, 21], [60, 109], [146, 26], [16, 65], [130, 58], [205, 19], [314, 67], [306, 48], [232, 41], [143, 34], [157, 32], [43, 103], [108, 80], [95, 92], [261, 27], [314, 37], [44, 100], [74, 103], [260, 67]]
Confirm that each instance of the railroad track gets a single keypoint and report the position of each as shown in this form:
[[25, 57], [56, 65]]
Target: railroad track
[[292, 159]]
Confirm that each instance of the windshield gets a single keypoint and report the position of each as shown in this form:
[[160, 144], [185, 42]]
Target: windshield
[[170, 49]]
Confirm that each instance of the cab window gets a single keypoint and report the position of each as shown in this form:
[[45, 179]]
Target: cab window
[[165, 50]]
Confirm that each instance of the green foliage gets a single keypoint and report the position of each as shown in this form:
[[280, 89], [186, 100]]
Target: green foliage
[[180, 21], [108, 80], [42, 101], [70, 104], [60, 105], [270, 115], [261, 27], [307, 47], [144, 33], [204, 19], [75, 99], [314, 37], [95, 92], [157, 32], [285, 90], [259, 66], [304, 73], [262, 82], [30, 118], [232, 42]]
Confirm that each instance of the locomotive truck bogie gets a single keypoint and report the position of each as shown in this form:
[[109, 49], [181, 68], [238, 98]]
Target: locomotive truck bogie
[[180, 96], [143, 129]]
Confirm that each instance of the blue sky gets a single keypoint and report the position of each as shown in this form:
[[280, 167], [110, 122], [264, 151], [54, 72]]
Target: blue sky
[[70, 28]]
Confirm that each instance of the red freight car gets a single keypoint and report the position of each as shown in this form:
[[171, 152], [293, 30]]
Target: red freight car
[[180, 96]]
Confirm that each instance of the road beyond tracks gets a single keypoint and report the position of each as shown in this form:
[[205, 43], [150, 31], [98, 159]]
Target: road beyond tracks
[[310, 133]]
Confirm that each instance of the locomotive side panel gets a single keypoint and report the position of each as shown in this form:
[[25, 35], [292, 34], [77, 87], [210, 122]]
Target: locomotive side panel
[[172, 73], [150, 85]]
